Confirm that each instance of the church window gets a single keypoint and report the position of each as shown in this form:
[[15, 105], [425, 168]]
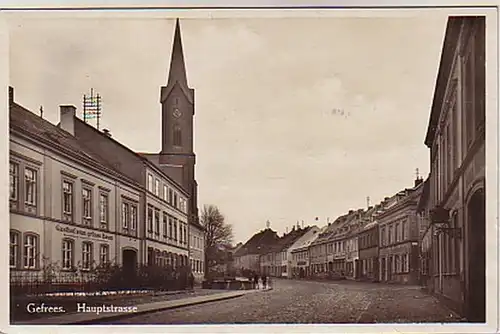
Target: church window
[[177, 136]]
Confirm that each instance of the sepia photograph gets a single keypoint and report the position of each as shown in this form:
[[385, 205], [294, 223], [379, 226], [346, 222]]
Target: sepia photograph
[[236, 168]]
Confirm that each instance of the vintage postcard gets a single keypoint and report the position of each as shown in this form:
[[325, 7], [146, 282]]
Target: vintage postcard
[[300, 167]]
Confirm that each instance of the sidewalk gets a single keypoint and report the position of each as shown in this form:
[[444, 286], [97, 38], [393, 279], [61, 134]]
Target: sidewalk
[[94, 317]]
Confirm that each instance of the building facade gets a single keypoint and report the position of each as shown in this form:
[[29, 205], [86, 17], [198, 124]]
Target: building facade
[[164, 203], [368, 252], [197, 251], [299, 254], [399, 237], [247, 258], [65, 201], [456, 139]]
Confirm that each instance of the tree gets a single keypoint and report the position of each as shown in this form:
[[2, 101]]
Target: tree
[[218, 234]]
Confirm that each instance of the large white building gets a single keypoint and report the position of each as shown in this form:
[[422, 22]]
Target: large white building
[[72, 210], [65, 202]]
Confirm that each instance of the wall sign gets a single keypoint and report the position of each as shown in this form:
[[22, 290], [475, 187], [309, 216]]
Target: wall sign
[[83, 232]]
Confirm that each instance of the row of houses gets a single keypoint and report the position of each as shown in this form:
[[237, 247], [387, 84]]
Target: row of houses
[[433, 234], [379, 243], [80, 199]]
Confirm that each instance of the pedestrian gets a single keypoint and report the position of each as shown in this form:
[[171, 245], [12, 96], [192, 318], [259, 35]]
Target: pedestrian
[[191, 280], [256, 280], [264, 281]]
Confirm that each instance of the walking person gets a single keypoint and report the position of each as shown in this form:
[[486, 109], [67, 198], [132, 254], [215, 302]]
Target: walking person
[[256, 280], [191, 280], [264, 282]]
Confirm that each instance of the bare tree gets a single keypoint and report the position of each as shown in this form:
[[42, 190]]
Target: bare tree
[[218, 234]]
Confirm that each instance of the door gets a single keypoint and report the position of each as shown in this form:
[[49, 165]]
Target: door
[[129, 262], [476, 225]]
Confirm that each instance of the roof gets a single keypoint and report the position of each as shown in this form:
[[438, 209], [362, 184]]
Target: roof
[[306, 242], [445, 63], [289, 239], [259, 243], [23, 119], [139, 156]]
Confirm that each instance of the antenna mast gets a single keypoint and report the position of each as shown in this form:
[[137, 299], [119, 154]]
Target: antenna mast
[[92, 107]]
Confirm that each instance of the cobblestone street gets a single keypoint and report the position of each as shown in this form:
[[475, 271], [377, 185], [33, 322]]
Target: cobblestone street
[[312, 302]]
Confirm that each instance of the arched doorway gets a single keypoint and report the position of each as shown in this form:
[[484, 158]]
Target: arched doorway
[[129, 256], [476, 251]]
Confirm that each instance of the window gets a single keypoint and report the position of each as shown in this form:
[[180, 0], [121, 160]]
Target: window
[[68, 200], [150, 220], [67, 254], [455, 135], [397, 232], [87, 206], [176, 203], [150, 182], [403, 231], [181, 240], [165, 225], [382, 237], [165, 193], [468, 103], [125, 215], [14, 249], [30, 186], [151, 255], [14, 181], [133, 217], [177, 135], [103, 210], [103, 254], [157, 187], [86, 255], [170, 195], [157, 222], [175, 230], [170, 227], [30, 251], [449, 161]]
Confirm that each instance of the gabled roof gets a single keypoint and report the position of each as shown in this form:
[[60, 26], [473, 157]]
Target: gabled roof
[[289, 239], [24, 120], [307, 242], [259, 243]]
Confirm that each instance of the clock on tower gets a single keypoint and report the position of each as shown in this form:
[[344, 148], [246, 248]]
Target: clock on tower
[[176, 113]]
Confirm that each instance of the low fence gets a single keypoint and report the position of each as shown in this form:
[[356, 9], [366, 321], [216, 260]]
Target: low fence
[[109, 279]]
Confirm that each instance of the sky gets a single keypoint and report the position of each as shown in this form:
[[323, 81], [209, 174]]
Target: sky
[[296, 118]]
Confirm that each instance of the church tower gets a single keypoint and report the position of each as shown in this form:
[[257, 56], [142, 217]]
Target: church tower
[[177, 157]]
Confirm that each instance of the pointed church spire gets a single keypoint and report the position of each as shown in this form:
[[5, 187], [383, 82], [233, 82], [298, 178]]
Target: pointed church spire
[[177, 67]]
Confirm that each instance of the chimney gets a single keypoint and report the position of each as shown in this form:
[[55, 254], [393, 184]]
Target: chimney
[[418, 181], [68, 118], [11, 95], [106, 132], [351, 211], [386, 198]]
